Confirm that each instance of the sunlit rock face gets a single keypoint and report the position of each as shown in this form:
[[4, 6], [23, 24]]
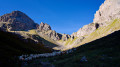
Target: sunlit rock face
[[44, 30], [44, 27], [65, 37], [107, 12], [85, 30], [17, 21]]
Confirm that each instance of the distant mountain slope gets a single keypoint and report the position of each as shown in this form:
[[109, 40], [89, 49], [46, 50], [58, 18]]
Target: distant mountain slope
[[103, 52], [106, 21], [17, 21], [12, 45], [107, 12], [103, 31]]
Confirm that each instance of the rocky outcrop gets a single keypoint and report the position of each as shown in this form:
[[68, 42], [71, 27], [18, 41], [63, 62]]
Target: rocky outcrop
[[78, 40], [53, 35], [17, 21], [44, 30], [86, 30], [44, 27], [83, 59], [108, 11], [65, 37]]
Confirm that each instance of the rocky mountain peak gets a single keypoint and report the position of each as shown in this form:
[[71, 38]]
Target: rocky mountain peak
[[18, 14], [45, 30], [44, 27], [17, 21]]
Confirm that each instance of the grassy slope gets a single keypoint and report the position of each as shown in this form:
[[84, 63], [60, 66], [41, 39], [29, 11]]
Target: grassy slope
[[46, 40], [98, 33], [12, 45], [32, 31], [103, 31], [69, 41], [49, 39], [104, 52]]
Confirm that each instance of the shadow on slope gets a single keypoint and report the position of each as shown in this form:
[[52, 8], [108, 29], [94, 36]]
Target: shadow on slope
[[32, 34], [103, 52], [12, 45]]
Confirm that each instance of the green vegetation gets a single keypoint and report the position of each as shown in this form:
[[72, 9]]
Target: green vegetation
[[69, 41], [102, 52], [60, 40], [103, 31], [32, 31], [44, 39], [47, 42], [98, 33]]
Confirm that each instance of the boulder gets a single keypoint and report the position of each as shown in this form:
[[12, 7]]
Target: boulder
[[83, 59]]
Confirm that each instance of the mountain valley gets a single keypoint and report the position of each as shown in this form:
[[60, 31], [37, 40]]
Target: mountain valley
[[95, 45]]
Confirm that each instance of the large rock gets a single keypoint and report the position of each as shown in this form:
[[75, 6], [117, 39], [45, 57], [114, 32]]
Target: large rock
[[83, 59], [17, 21]]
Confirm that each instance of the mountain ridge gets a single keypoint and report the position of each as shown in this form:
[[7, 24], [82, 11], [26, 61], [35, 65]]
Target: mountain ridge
[[103, 18], [96, 44]]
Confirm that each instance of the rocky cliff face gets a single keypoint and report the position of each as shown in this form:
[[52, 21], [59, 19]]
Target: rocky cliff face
[[44, 27], [65, 37], [17, 21], [107, 12], [44, 30], [85, 30], [106, 21]]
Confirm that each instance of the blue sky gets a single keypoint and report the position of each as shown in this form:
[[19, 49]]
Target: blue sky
[[64, 16]]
